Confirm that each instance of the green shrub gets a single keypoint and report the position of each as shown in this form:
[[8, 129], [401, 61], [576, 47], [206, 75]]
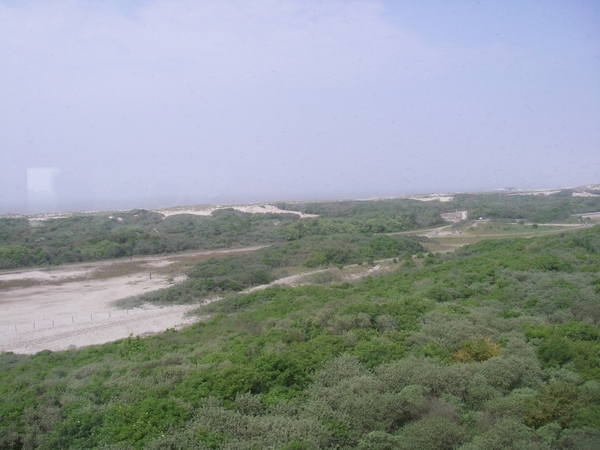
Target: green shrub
[[434, 434], [555, 403]]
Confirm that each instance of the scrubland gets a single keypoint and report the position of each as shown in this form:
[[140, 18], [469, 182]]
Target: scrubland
[[492, 345]]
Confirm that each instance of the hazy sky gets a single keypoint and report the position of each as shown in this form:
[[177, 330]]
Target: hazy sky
[[113, 104]]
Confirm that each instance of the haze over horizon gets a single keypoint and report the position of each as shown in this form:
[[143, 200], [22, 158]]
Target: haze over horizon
[[151, 103]]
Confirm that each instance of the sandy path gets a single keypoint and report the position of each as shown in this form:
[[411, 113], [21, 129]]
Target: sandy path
[[300, 279], [293, 280], [436, 232]]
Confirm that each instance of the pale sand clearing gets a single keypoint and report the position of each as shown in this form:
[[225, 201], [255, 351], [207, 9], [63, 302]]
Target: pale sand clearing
[[100, 329], [433, 197], [456, 216], [588, 187], [207, 211], [584, 194], [47, 275], [594, 215], [66, 306], [48, 216], [79, 313]]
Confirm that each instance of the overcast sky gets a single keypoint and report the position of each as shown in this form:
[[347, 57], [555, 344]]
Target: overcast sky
[[147, 103]]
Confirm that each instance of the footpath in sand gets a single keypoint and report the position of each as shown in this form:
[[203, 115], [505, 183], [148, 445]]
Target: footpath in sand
[[72, 306]]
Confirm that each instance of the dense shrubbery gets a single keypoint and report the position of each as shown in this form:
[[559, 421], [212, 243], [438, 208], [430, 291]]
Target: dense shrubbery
[[234, 273], [495, 346], [140, 232], [535, 208]]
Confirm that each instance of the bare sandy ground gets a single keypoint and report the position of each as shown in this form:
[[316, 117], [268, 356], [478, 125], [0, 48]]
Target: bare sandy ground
[[595, 215], [293, 280], [350, 272], [584, 194], [207, 211], [67, 306], [198, 210], [456, 216], [79, 313], [433, 197]]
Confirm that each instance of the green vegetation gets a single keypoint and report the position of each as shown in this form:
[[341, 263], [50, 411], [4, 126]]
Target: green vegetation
[[493, 346], [137, 232], [233, 273], [140, 232], [496, 206], [94, 237], [534, 208]]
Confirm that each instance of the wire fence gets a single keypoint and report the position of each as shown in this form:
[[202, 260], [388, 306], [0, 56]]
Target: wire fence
[[65, 320]]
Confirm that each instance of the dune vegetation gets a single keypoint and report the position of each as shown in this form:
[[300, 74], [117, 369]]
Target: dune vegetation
[[494, 345]]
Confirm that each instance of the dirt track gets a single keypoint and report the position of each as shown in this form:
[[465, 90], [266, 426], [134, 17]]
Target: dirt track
[[71, 305]]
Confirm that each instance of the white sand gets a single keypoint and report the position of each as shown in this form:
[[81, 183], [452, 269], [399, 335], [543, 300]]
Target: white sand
[[456, 216], [293, 280], [594, 215], [79, 313], [71, 308], [253, 209], [584, 194], [433, 197], [98, 329]]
